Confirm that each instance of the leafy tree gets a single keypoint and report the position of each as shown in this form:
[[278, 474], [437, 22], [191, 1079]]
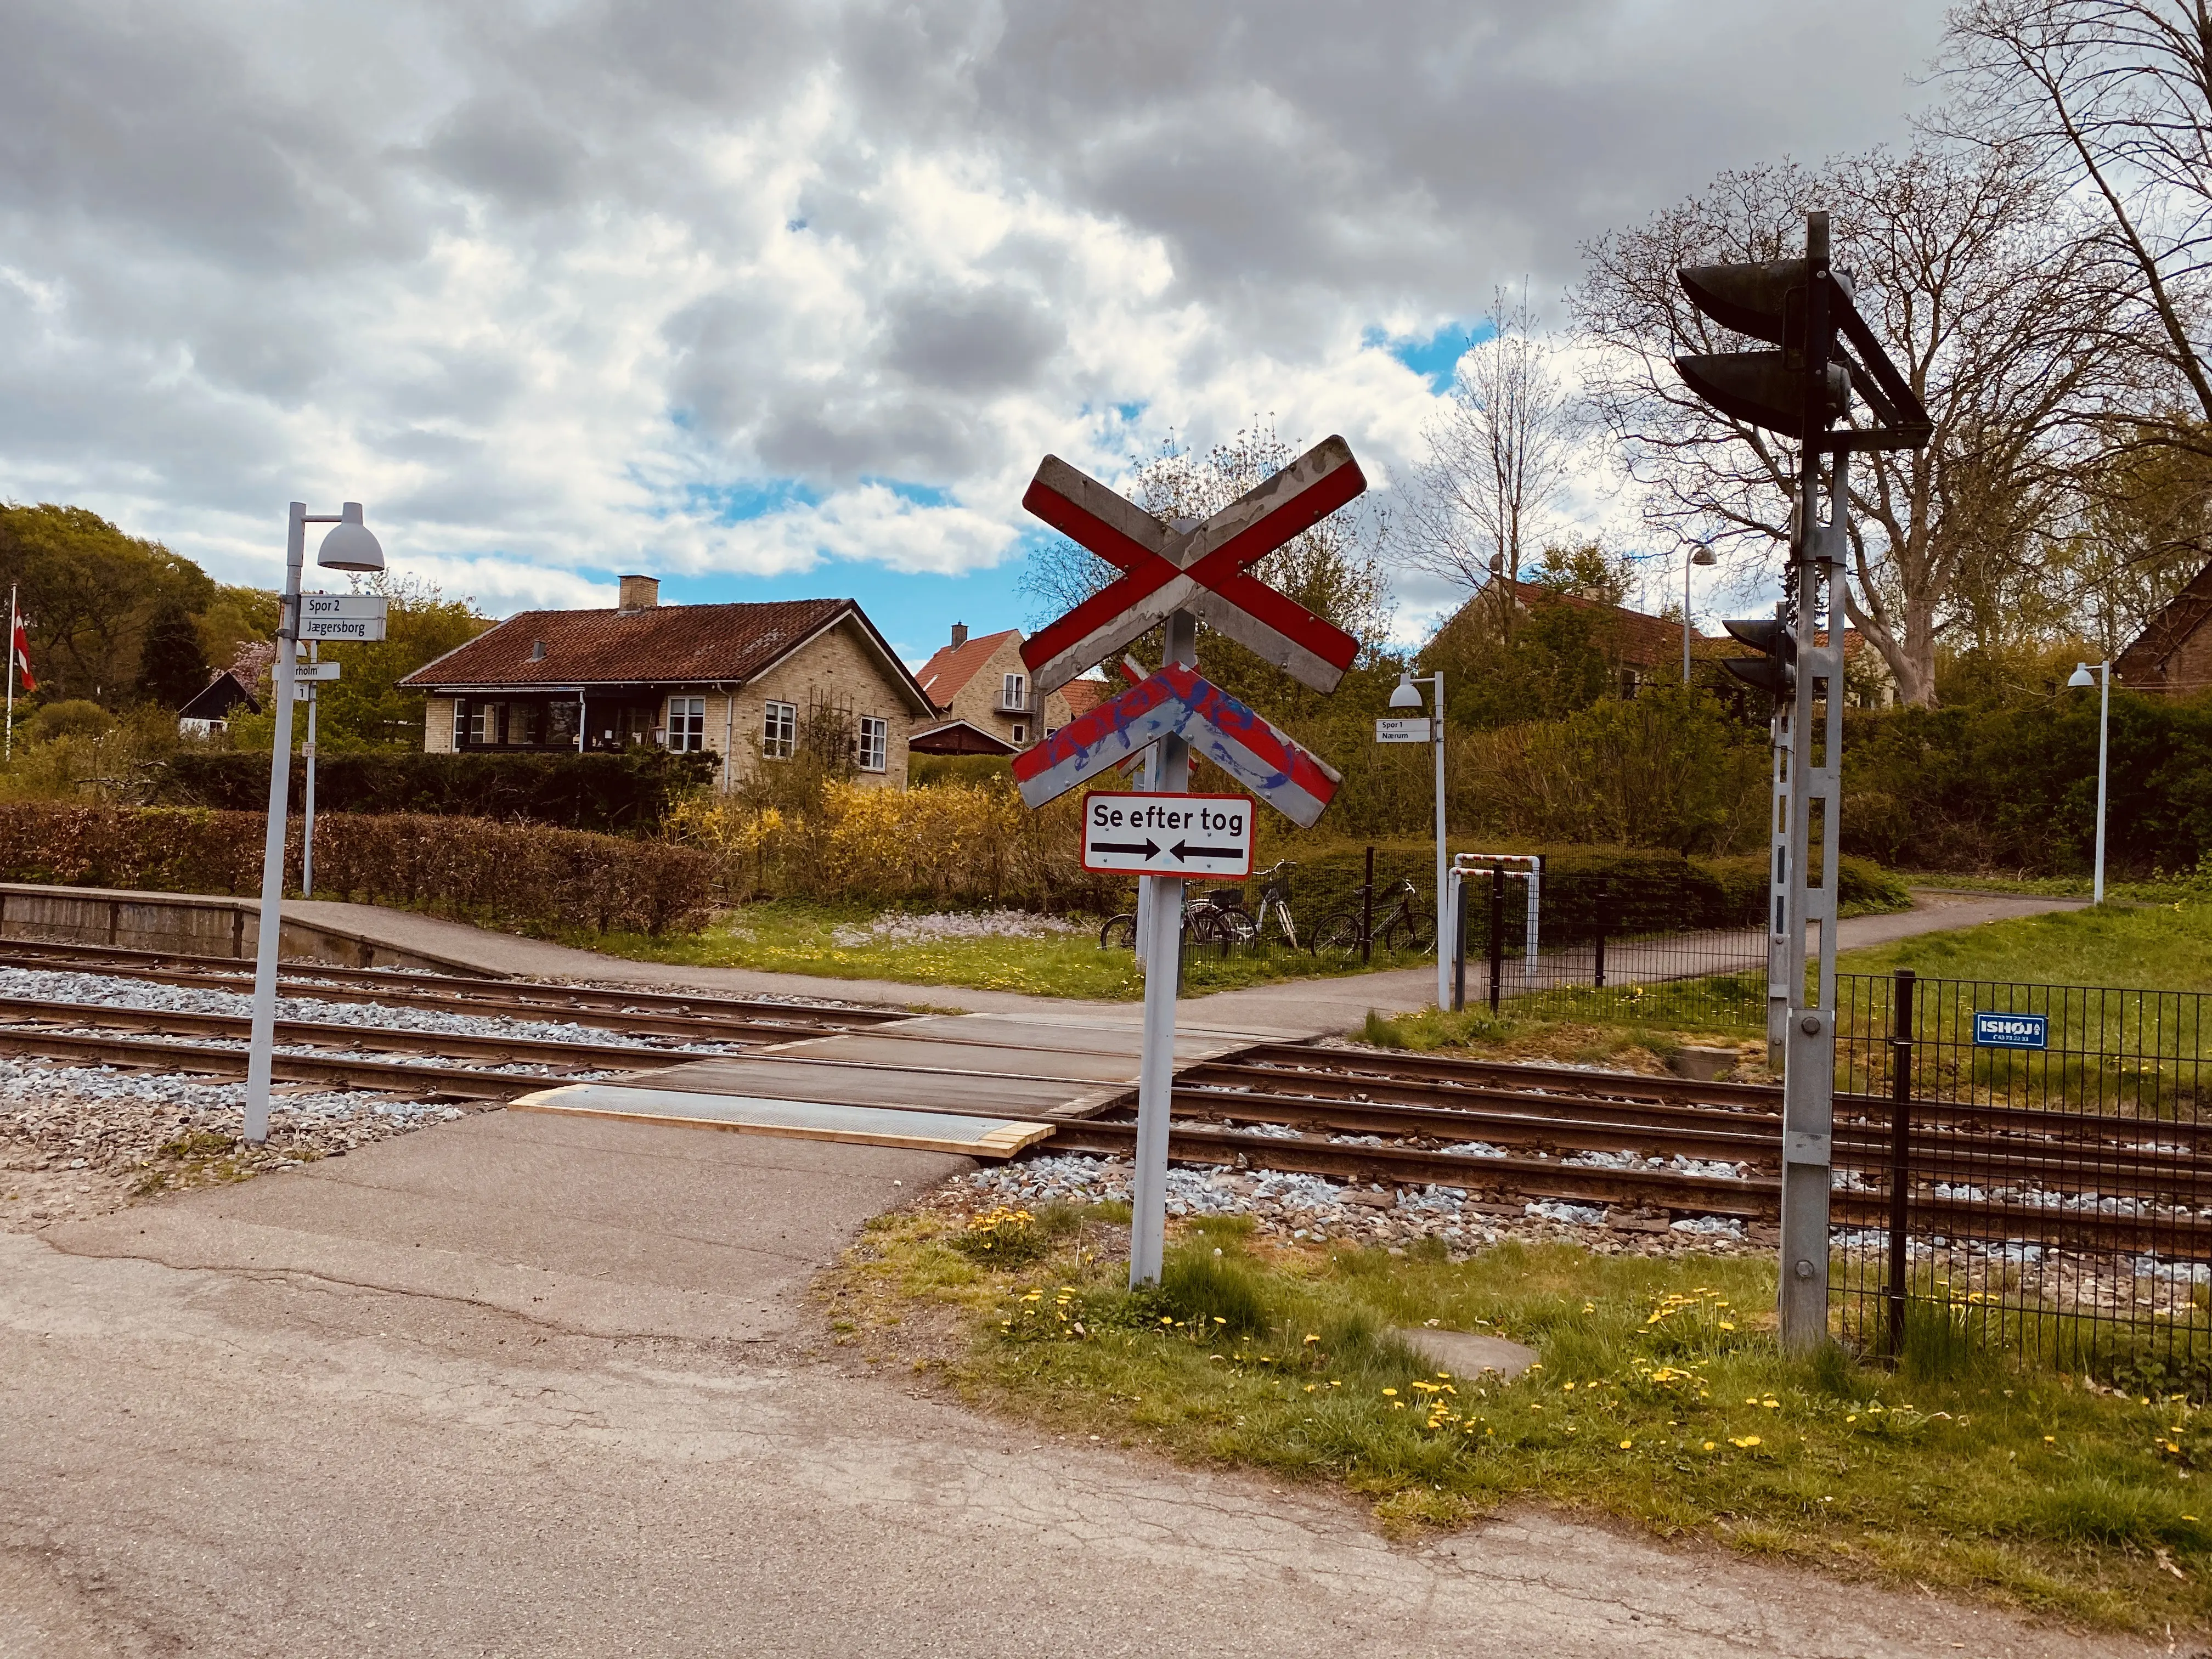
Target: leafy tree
[[91, 593], [367, 709], [172, 667]]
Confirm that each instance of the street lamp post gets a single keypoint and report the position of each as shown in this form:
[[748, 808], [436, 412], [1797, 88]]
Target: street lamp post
[[1407, 695], [2080, 677], [349, 546], [1701, 556]]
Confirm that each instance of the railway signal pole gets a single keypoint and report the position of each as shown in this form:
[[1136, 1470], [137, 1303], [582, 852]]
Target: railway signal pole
[[1804, 309]]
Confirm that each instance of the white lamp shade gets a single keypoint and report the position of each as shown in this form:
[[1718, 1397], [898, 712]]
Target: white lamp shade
[[2080, 676], [349, 546], [1405, 694]]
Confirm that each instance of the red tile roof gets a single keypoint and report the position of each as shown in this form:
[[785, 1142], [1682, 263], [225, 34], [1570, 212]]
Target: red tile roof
[[1084, 695], [951, 666], [1643, 640], [666, 645]]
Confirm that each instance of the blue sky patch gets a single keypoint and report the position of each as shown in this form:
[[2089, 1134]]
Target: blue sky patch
[[1433, 357]]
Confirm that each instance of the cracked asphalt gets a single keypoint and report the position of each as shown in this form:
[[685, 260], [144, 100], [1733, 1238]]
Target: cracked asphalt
[[518, 1385]]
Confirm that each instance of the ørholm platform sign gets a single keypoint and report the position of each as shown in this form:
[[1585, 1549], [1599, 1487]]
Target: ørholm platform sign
[[1137, 834]]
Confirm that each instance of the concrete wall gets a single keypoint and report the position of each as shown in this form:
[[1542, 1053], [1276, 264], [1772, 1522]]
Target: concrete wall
[[189, 924]]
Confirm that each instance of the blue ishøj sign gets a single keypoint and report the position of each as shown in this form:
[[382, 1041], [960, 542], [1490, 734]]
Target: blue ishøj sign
[[2011, 1030]]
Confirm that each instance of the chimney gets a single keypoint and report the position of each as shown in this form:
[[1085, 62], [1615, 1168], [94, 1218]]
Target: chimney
[[639, 592], [959, 634]]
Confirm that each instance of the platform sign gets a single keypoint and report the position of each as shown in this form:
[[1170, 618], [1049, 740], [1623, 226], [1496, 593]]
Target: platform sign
[[1207, 837], [1390, 729], [342, 617], [1994, 1030], [308, 673]]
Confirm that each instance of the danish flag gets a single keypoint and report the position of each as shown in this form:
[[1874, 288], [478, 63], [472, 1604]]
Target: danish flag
[[22, 650]]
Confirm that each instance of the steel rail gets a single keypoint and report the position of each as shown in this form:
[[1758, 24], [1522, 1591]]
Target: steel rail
[[464, 1082], [24, 1011], [509, 992]]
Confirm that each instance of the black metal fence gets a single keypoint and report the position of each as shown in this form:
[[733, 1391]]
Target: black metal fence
[[2025, 1167], [1712, 979]]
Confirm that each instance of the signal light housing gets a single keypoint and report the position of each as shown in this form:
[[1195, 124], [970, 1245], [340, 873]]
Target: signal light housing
[[1775, 670]]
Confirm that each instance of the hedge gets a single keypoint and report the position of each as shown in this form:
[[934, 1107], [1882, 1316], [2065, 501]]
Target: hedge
[[629, 794], [527, 876]]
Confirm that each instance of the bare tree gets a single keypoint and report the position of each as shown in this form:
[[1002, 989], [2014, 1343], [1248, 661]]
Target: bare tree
[[1496, 457], [1961, 263], [2114, 98]]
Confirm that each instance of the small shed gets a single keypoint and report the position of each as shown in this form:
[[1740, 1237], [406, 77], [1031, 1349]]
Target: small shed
[[210, 708]]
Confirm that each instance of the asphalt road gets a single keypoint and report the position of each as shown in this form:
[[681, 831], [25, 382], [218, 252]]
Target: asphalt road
[[524, 1386]]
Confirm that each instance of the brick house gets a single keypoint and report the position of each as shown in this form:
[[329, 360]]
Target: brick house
[[983, 702], [746, 681], [2174, 653]]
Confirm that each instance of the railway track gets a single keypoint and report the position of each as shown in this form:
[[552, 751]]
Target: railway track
[[1497, 1131]]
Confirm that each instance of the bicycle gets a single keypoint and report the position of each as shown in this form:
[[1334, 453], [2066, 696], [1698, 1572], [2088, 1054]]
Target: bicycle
[[1234, 924], [1406, 928]]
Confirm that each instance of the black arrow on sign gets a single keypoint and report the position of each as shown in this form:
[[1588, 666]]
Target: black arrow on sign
[[1142, 849], [1184, 850]]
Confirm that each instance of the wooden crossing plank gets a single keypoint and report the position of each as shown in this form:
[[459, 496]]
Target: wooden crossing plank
[[937, 1132], [773, 1077]]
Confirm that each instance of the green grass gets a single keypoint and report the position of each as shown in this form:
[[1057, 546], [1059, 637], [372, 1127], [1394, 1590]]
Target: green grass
[[793, 936], [1959, 1468], [2164, 947]]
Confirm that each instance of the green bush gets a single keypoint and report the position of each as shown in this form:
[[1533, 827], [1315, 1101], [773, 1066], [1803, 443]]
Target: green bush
[[628, 793]]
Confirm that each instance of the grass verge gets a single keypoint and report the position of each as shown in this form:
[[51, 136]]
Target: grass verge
[[1661, 1399], [2166, 947], [794, 936]]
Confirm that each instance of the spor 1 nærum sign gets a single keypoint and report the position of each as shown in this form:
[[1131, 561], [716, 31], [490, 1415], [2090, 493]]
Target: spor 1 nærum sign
[[1148, 834]]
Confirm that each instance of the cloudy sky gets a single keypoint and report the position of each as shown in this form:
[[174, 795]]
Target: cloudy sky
[[782, 299]]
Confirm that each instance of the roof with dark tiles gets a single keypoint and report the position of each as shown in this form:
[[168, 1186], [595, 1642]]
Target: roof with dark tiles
[[659, 645]]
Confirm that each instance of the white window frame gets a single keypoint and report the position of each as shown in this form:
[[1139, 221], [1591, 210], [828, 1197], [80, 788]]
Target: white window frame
[[687, 725], [779, 729], [1021, 732], [1014, 691], [460, 721], [874, 746]]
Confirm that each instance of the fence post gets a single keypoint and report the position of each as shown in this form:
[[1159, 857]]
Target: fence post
[[1459, 941], [1497, 931], [1604, 904], [1367, 913], [1901, 1150]]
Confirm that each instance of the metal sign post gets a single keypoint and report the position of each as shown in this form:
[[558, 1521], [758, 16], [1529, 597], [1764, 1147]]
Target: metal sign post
[[1178, 574]]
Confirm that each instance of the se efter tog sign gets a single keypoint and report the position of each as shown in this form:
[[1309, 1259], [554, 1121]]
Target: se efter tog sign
[[1137, 834], [2011, 1030]]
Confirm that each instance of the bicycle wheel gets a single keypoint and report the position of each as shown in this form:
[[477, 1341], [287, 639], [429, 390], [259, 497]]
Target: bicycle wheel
[[1120, 933], [1236, 926], [1338, 932], [1409, 930]]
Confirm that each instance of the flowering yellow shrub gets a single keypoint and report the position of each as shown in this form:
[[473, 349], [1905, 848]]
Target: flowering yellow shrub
[[950, 843]]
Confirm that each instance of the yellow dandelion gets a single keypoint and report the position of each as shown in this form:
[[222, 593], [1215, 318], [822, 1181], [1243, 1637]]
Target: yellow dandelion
[[1625, 1444], [1709, 1445], [1727, 1325], [1311, 1337], [2050, 1439], [1390, 1393], [1748, 1440]]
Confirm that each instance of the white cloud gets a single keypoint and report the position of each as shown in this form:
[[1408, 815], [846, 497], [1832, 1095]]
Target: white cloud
[[550, 287]]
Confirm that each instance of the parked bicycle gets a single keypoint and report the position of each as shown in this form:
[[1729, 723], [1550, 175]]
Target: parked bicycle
[[1219, 917], [1407, 928]]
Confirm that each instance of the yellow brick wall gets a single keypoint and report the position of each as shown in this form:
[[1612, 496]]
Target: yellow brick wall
[[438, 726], [842, 667]]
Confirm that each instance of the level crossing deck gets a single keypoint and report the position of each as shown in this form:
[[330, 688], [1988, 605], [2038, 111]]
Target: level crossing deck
[[935, 1080]]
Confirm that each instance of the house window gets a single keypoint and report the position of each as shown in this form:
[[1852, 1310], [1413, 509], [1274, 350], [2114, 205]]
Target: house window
[[780, 734], [460, 721], [875, 743], [1021, 732], [484, 721], [687, 725], [1013, 693]]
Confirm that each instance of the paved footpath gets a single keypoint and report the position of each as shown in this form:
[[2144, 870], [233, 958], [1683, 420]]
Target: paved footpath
[[1314, 1007], [523, 1386]]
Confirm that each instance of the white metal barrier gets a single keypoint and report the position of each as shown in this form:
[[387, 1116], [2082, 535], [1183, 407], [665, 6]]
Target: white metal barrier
[[1527, 867]]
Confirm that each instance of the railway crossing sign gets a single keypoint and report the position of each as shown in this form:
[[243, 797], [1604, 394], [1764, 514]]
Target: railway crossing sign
[[1179, 703], [1203, 569], [342, 615], [1147, 834], [1180, 575]]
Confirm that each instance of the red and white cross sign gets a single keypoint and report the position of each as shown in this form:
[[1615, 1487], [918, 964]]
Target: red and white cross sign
[[1205, 570]]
